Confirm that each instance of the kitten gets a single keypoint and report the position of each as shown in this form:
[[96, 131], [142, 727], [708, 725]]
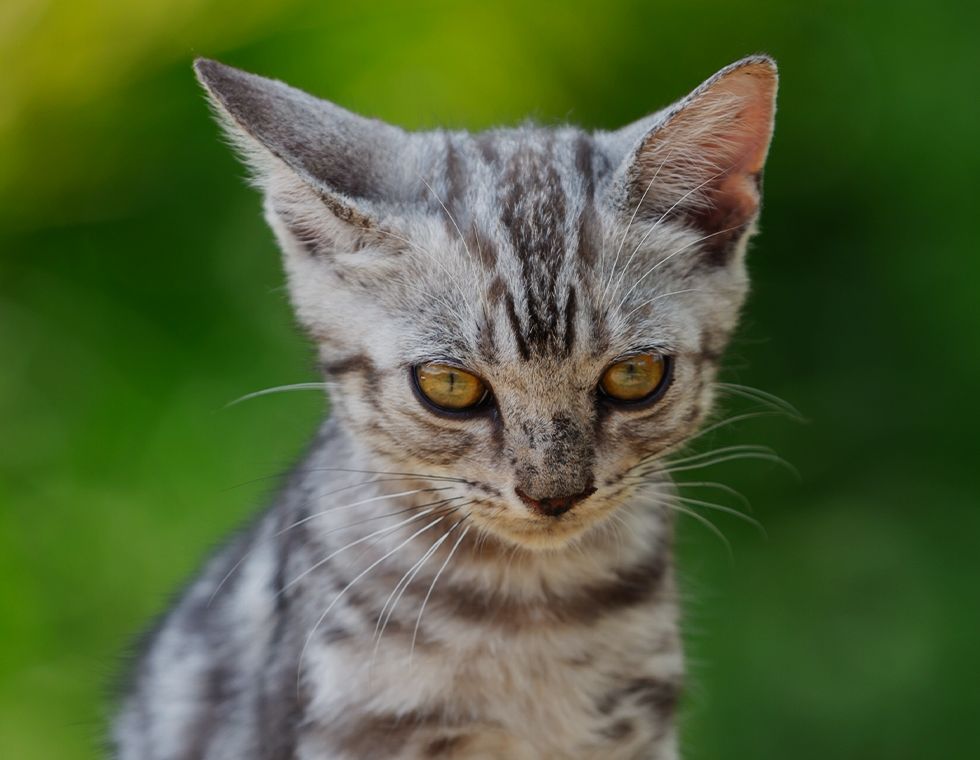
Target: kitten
[[516, 327]]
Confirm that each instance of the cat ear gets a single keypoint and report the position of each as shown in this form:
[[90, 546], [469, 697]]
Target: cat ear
[[309, 155], [701, 160]]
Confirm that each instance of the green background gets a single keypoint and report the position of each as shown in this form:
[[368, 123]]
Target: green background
[[140, 292]]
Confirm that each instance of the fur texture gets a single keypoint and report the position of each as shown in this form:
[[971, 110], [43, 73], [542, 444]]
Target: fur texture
[[399, 600]]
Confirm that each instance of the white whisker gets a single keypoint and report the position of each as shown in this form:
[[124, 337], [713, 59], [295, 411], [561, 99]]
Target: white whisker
[[658, 297], [726, 509], [435, 259], [731, 421], [356, 578], [432, 586], [379, 532], [740, 447], [404, 583], [626, 232], [744, 455], [763, 397], [717, 486], [248, 553], [458, 232], [373, 499], [704, 521], [657, 224], [227, 576], [419, 475], [668, 257], [277, 389]]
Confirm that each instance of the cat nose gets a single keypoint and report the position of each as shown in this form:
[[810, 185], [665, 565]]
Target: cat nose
[[553, 506]]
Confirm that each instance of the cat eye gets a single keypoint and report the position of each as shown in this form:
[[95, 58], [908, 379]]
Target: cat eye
[[450, 388], [635, 379]]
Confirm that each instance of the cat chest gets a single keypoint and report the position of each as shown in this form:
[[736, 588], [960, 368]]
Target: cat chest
[[567, 691]]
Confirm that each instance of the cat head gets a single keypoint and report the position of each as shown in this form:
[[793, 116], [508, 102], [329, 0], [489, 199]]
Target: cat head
[[538, 312]]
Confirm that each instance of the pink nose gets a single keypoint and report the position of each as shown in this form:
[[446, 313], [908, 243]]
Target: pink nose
[[553, 506]]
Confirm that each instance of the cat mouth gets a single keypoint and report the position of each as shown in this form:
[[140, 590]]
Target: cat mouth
[[541, 531]]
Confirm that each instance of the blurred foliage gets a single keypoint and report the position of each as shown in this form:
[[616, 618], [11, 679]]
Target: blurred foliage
[[140, 291]]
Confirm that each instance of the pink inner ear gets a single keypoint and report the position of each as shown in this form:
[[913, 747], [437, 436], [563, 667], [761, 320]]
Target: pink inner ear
[[719, 139], [753, 87]]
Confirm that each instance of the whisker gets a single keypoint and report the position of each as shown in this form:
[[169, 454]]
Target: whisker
[[398, 476], [657, 224], [394, 597], [726, 509], [723, 450], [228, 575], [404, 583], [662, 295], [386, 515], [685, 443], [459, 232], [704, 521], [249, 552], [718, 487], [655, 461], [419, 475], [436, 260], [356, 578], [764, 397], [380, 532], [277, 389], [451, 217], [348, 487], [668, 257], [657, 465], [626, 232], [418, 620], [731, 457], [733, 420], [373, 499]]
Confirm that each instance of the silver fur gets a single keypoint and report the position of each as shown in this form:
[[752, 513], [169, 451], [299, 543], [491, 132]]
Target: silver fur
[[399, 600]]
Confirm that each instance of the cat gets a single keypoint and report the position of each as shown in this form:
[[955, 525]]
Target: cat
[[516, 328]]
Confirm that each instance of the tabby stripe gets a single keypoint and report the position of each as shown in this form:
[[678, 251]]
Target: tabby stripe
[[632, 587], [356, 363], [583, 162], [515, 326], [660, 696], [570, 311]]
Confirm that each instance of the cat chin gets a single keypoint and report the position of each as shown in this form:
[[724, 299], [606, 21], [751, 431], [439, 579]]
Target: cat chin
[[534, 535]]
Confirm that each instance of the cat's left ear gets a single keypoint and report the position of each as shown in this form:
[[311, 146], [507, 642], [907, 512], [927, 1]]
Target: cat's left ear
[[328, 174], [701, 160]]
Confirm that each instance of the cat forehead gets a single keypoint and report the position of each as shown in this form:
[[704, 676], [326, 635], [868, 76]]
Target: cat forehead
[[524, 201], [520, 205], [536, 170]]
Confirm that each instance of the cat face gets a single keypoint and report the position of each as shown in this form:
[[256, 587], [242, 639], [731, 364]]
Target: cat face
[[535, 312]]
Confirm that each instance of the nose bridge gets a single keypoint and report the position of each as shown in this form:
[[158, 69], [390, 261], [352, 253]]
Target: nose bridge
[[551, 450]]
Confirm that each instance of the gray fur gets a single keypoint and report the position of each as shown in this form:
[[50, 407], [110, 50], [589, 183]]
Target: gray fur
[[534, 258]]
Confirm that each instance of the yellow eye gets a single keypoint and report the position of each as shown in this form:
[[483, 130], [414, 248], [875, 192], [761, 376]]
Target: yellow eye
[[450, 387], [635, 377]]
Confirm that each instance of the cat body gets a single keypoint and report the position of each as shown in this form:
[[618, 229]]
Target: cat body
[[491, 577]]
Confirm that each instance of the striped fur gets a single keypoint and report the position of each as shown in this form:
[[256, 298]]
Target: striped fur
[[534, 257]]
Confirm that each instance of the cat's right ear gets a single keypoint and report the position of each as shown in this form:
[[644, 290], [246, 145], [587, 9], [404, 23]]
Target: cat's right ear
[[702, 159], [327, 173]]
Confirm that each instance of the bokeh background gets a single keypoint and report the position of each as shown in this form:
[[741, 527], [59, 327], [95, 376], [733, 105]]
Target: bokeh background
[[140, 292]]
